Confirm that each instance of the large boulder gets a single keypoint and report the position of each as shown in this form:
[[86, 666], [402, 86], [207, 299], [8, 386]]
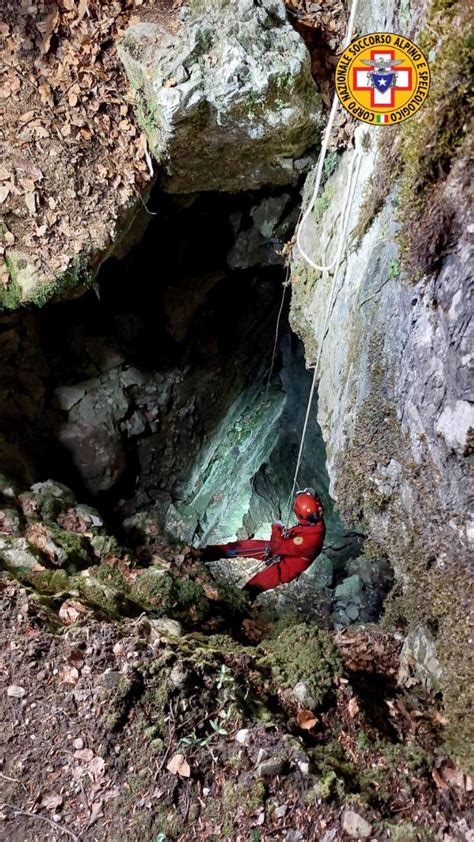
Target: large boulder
[[227, 98], [91, 434]]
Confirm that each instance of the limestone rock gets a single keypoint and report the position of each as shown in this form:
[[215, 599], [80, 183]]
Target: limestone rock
[[243, 736], [47, 499], [394, 402], [271, 767], [178, 676], [261, 233], [65, 397], [301, 694], [355, 825], [349, 587], [227, 100], [9, 522], [166, 626], [59, 546], [456, 425], [91, 434], [419, 661], [16, 555]]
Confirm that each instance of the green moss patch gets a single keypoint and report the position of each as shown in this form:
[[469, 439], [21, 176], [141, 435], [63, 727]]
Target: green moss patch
[[305, 653], [159, 591]]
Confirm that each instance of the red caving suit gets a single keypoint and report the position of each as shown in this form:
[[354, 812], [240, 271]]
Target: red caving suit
[[295, 549]]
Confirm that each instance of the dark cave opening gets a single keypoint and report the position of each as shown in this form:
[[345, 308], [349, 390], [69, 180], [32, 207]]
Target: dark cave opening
[[163, 393]]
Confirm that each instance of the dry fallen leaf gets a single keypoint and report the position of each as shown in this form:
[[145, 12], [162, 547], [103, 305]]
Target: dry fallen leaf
[[438, 779], [70, 611], [51, 800], [84, 754], [48, 27], [178, 765], [455, 777], [306, 719], [30, 200], [353, 707], [69, 675], [97, 767]]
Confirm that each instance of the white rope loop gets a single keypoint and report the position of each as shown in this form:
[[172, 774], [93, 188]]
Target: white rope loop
[[342, 231]]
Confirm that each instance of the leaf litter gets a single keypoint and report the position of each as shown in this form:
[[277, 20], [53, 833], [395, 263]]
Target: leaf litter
[[74, 160], [123, 752]]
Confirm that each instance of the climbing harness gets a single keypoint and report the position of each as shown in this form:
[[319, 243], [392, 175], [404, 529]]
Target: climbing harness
[[337, 261]]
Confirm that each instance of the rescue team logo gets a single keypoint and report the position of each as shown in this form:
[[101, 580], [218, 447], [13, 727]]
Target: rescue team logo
[[382, 78]]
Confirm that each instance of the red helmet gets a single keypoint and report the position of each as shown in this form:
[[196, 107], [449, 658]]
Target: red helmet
[[307, 506]]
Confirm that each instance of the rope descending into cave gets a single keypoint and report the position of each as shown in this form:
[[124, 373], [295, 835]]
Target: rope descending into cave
[[336, 263]]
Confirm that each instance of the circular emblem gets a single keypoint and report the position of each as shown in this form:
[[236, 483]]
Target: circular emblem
[[382, 78], [298, 540]]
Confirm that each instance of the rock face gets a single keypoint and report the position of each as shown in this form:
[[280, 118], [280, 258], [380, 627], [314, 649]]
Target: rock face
[[394, 403], [227, 99]]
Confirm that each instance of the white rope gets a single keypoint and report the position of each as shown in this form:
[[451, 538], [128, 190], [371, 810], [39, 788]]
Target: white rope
[[324, 149], [342, 230]]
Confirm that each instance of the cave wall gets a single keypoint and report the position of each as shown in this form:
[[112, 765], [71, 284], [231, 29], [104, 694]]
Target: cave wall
[[395, 405]]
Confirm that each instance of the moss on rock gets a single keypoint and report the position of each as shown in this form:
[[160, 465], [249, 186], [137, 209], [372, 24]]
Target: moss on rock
[[159, 591], [95, 592], [111, 576], [306, 654], [49, 581], [76, 547]]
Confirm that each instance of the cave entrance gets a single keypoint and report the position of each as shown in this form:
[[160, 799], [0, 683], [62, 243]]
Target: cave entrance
[[170, 391], [161, 397]]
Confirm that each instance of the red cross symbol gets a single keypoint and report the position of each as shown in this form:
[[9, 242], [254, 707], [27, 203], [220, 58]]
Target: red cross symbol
[[379, 99]]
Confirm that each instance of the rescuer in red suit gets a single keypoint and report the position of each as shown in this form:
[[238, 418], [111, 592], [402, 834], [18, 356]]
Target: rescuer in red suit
[[289, 552]]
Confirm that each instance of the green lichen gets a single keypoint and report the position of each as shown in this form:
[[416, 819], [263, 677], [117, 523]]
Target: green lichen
[[121, 700], [106, 545], [387, 168], [331, 765], [324, 789], [10, 296], [237, 797], [407, 831], [153, 590], [305, 653], [51, 499], [322, 202]]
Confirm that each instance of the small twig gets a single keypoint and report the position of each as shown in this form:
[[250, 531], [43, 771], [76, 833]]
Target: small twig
[[60, 828], [171, 735], [13, 781]]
